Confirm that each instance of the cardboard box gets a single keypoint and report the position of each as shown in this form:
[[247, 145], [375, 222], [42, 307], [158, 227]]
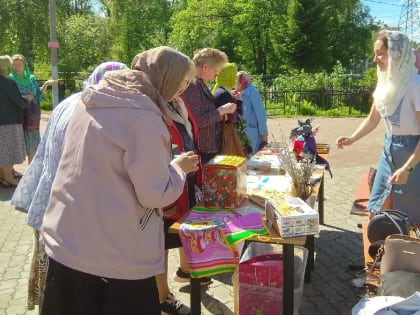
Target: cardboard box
[[291, 217], [224, 182], [263, 162]]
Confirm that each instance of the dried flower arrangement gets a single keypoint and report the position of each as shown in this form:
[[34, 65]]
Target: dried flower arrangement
[[299, 171]]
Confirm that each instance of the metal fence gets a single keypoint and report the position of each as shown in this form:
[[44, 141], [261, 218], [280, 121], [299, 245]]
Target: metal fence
[[353, 100]]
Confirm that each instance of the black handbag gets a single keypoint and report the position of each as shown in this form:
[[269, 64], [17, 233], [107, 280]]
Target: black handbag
[[386, 223]]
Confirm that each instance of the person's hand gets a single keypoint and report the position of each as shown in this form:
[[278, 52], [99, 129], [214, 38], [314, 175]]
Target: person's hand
[[264, 138], [342, 141], [30, 98], [228, 108], [315, 130], [399, 177], [188, 162], [238, 96]]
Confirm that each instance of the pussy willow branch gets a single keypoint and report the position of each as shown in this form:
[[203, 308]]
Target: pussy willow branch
[[299, 171]]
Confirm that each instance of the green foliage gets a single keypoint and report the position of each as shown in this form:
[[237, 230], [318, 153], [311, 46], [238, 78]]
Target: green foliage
[[369, 78], [203, 24], [296, 80], [76, 51], [241, 130], [307, 45], [307, 108], [303, 44], [262, 36]]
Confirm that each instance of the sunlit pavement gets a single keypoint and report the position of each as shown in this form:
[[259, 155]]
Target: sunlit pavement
[[337, 245]]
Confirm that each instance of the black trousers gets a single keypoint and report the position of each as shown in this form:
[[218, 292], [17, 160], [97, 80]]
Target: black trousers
[[71, 292]]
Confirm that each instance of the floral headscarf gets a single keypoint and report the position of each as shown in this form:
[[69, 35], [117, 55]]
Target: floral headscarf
[[243, 80], [226, 77], [393, 84], [27, 76], [100, 70]]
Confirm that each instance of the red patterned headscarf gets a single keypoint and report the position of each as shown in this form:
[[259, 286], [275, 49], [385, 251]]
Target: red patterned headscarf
[[243, 80]]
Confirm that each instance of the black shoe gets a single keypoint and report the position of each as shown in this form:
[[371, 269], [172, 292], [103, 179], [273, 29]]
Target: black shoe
[[181, 276], [172, 306]]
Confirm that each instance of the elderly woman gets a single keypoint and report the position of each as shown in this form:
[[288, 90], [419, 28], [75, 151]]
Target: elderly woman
[[254, 112], [103, 227], [224, 86], [12, 103], [397, 104], [33, 192], [28, 87], [208, 63]]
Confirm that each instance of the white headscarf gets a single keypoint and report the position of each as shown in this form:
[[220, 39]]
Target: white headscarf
[[393, 84]]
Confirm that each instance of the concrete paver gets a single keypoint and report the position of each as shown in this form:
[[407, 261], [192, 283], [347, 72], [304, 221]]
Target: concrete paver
[[337, 245]]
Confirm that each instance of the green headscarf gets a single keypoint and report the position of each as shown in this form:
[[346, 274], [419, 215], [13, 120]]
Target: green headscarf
[[226, 77], [27, 76]]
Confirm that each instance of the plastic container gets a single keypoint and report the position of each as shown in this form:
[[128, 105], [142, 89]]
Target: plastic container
[[259, 249]]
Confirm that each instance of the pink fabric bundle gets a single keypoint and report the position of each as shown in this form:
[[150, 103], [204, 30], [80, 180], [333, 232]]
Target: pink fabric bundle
[[210, 238]]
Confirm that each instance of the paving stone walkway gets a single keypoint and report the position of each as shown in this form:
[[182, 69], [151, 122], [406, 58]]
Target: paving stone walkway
[[337, 245]]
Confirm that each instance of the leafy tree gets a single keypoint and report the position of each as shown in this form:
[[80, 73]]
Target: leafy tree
[[23, 29], [137, 25], [351, 31], [240, 28], [81, 49], [261, 36], [306, 44], [197, 24], [67, 8], [257, 27]]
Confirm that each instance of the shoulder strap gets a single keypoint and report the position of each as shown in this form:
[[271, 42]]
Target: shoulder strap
[[401, 216]]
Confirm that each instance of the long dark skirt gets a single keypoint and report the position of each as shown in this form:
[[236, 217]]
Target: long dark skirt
[[71, 292]]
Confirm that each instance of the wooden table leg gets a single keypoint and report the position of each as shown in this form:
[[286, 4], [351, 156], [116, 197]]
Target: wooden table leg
[[288, 278], [195, 296], [310, 265], [321, 201]]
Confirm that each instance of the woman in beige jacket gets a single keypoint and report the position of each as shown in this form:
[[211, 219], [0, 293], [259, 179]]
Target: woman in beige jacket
[[103, 227]]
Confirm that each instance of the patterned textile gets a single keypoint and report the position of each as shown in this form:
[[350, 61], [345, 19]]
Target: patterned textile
[[32, 140], [200, 102], [12, 149], [99, 72], [37, 272], [210, 238]]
